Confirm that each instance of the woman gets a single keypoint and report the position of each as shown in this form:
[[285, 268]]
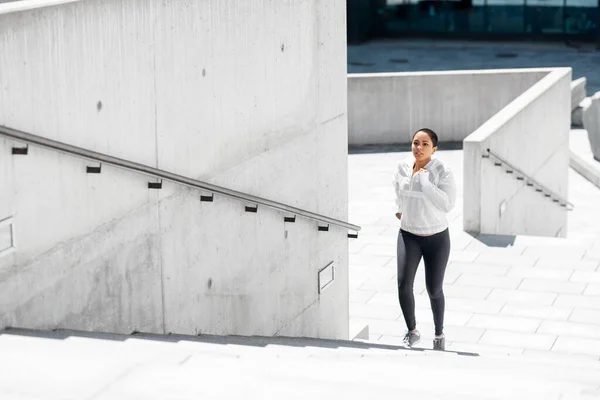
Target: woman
[[425, 192]]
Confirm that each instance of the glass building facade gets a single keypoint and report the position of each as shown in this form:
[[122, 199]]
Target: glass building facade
[[577, 20]]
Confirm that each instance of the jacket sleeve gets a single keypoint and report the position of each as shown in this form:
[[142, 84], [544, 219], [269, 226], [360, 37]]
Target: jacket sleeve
[[442, 196], [396, 182]]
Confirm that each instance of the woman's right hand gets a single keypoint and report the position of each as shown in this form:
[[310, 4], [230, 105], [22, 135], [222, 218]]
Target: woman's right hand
[[398, 215]]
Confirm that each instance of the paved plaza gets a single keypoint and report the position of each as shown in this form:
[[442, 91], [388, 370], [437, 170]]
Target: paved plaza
[[435, 55], [504, 295]]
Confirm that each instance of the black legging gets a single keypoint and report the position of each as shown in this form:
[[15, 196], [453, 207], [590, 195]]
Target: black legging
[[435, 250]]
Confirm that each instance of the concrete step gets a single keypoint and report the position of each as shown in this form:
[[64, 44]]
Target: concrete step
[[75, 365]]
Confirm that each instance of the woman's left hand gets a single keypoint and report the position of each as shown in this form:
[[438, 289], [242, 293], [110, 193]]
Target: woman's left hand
[[423, 175]]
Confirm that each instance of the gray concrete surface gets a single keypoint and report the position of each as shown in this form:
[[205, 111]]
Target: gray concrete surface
[[389, 108], [147, 82], [582, 159], [411, 55], [578, 92], [591, 123], [496, 202], [504, 294]]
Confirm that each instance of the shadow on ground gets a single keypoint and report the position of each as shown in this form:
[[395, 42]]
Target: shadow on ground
[[252, 341]]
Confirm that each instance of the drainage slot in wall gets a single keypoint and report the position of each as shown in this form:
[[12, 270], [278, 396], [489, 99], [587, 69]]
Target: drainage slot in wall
[[7, 239], [326, 277]]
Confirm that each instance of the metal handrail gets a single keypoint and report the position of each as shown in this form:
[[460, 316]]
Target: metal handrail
[[544, 189], [168, 176]]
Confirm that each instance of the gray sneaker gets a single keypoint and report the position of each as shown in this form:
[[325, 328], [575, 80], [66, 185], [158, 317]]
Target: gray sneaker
[[439, 343], [412, 338]]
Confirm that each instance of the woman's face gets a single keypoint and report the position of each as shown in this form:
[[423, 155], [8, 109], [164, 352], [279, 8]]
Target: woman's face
[[422, 147]]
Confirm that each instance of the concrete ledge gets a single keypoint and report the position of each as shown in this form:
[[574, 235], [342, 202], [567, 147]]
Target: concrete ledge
[[497, 203], [585, 167], [591, 123], [577, 114], [26, 5], [578, 92], [386, 108], [581, 158]]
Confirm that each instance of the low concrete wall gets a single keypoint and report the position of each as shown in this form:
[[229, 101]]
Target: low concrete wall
[[578, 92], [389, 108], [531, 133], [581, 157], [181, 87], [591, 123], [578, 95]]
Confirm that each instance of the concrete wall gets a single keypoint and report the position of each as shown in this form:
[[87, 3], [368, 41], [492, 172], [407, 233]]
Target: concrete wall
[[531, 133], [389, 108], [578, 97], [578, 92], [591, 123], [247, 95]]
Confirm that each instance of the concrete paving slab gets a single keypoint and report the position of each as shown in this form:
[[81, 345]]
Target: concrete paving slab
[[584, 302], [561, 275], [522, 296], [577, 346], [570, 329], [480, 280], [478, 268], [527, 309], [502, 322], [548, 286], [592, 290], [518, 339], [587, 316]]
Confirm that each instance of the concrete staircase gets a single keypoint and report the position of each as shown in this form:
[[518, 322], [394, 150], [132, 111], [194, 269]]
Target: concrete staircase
[[75, 365]]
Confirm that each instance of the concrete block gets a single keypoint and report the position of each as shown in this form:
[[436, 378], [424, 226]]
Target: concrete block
[[591, 122], [495, 202], [386, 108], [577, 113], [578, 92]]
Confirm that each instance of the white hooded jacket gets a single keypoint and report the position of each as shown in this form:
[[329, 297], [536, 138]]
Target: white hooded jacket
[[424, 198]]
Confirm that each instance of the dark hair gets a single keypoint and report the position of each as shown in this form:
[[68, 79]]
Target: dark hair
[[432, 135]]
